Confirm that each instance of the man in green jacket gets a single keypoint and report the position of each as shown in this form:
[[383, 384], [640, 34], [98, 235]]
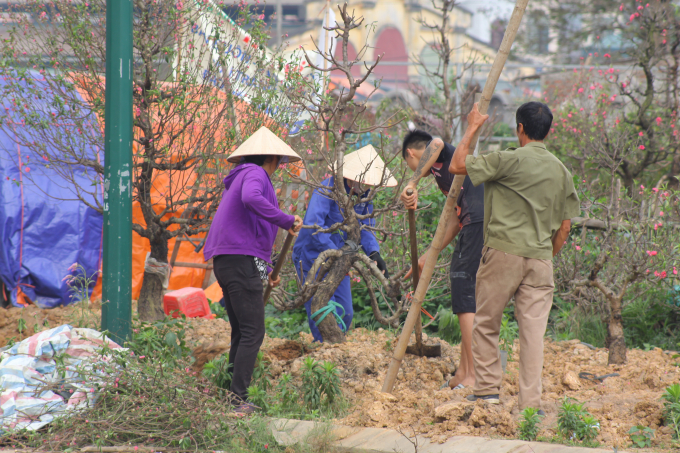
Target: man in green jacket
[[529, 199]]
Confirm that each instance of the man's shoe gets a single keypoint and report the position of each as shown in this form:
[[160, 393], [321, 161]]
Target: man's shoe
[[491, 399]]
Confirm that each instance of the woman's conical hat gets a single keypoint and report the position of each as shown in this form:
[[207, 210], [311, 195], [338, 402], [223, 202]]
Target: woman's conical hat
[[366, 166], [263, 143]]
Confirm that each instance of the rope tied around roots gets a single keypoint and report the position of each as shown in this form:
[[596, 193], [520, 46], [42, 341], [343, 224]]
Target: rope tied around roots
[[331, 308]]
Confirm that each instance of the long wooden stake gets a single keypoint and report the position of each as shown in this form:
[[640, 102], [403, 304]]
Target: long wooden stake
[[279, 264], [438, 240]]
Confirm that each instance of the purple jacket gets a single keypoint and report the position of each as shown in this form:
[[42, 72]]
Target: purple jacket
[[248, 217]]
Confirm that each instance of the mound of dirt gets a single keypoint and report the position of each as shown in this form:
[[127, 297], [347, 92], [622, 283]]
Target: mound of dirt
[[36, 320], [417, 404], [198, 330]]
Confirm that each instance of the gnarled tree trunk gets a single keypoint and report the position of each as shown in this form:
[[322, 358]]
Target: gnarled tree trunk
[[150, 302], [329, 329], [616, 342]]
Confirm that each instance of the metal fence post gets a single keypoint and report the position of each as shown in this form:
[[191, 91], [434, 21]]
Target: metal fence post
[[117, 259]]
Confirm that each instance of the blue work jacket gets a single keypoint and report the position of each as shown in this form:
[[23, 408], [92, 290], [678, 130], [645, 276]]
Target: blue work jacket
[[323, 211]]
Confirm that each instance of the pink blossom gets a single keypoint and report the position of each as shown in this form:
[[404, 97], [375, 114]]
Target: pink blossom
[[657, 274], [580, 90], [607, 55], [655, 190], [73, 267], [631, 18], [675, 271], [658, 120], [261, 17], [621, 7], [641, 146], [641, 134], [569, 115], [640, 8], [661, 213], [663, 274], [578, 248], [651, 252]]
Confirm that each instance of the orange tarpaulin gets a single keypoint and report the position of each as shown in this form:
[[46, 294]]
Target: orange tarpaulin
[[171, 184]]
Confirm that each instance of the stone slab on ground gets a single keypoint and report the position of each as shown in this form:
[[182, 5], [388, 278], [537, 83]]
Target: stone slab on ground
[[377, 440]]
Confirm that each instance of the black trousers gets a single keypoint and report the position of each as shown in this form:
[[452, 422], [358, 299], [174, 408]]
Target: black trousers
[[464, 266], [242, 288]]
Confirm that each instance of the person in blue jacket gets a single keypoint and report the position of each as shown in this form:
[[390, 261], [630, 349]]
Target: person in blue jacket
[[363, 165]]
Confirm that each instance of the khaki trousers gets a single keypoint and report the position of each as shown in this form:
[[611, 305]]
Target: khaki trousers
[[500, 277]]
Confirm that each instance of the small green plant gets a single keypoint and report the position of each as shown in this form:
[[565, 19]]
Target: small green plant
[[218, 310], [79, 285], [261, 374], [287, 395], [389, 346], [574, 423], [259, 397], [219, 372], [641, 436], [320, 383], [587, 430], [330, 382], [671, 410], [162, 340], [528, 425], [21, 326], [508, 333]]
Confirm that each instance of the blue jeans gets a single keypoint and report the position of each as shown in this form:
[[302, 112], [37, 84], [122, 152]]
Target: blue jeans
[[343, 296]]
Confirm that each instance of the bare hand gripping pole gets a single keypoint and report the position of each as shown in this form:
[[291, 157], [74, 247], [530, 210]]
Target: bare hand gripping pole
[[438, 240]]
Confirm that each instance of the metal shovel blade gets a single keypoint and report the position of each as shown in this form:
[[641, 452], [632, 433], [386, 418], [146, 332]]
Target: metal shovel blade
[[424, 350]]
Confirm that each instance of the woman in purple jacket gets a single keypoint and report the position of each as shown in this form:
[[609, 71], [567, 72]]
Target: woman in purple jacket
[[240, 242]]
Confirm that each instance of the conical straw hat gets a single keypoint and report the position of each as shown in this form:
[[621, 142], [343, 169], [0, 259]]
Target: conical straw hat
[[263, 143], [366, 166]]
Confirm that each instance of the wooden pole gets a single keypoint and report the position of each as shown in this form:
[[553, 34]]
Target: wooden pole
[[438, 240], [279, 264]]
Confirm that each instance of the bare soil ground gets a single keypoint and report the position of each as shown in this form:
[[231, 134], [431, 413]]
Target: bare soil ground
[[417, 405]]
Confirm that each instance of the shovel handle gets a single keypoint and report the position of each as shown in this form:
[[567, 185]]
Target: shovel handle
[[414, 243], [279, 264]]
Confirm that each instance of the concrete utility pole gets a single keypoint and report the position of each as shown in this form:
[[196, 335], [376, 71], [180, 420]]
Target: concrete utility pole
[[117, 260]]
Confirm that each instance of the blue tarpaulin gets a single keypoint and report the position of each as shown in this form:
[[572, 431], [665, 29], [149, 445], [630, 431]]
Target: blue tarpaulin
[[44, 228]]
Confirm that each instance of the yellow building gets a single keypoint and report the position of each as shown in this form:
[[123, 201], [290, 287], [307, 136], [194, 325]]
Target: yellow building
[[391, 29]]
